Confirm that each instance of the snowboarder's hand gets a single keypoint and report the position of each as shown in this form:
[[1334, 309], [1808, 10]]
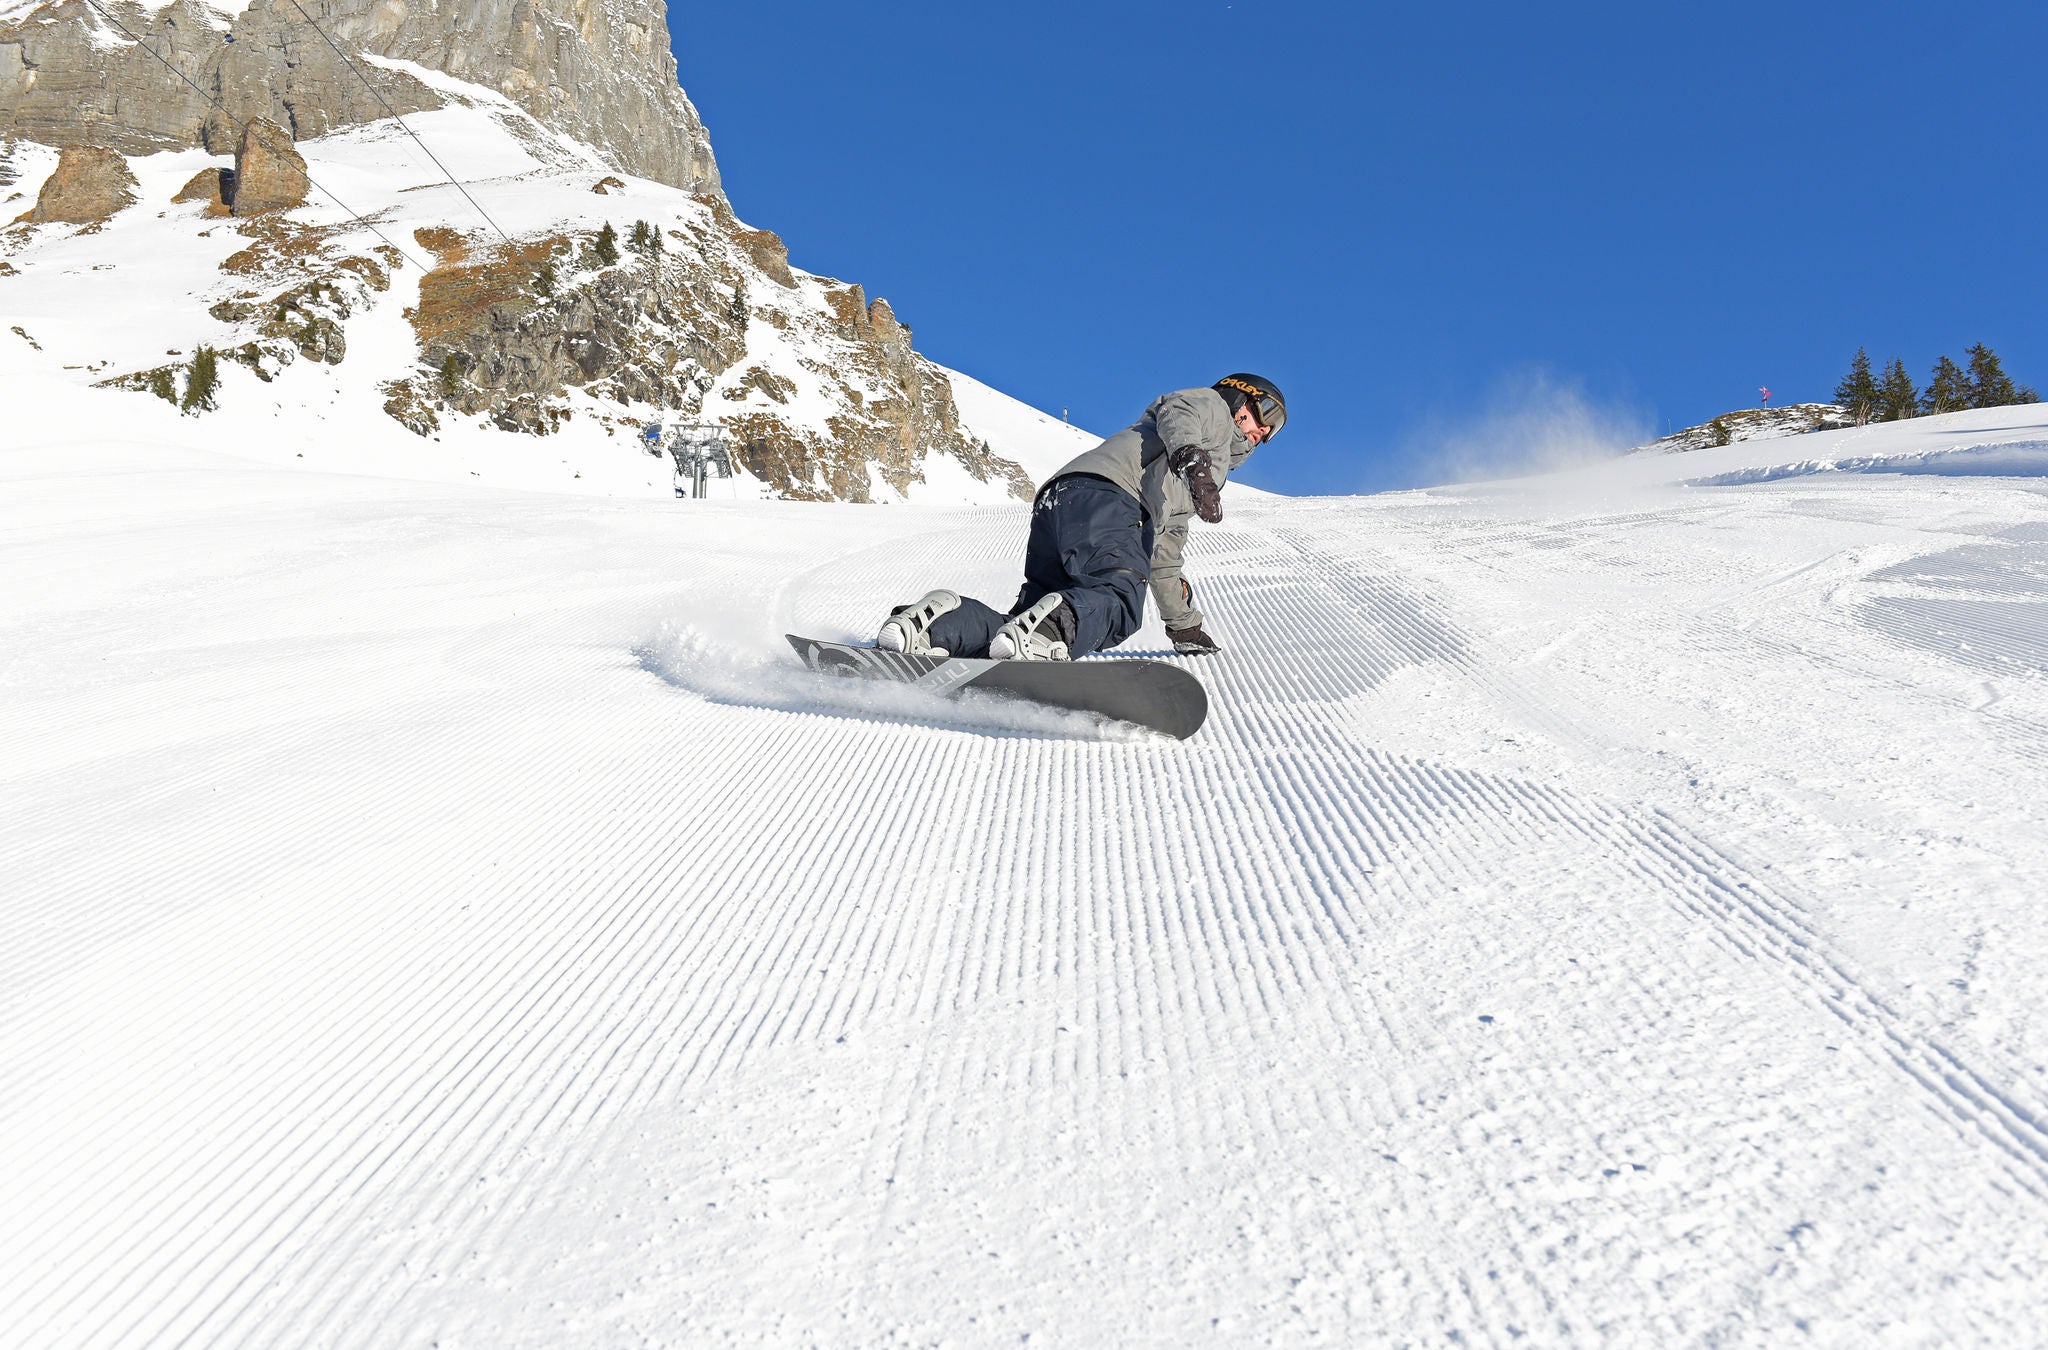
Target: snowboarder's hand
[[1192, 464], [1192, 641]]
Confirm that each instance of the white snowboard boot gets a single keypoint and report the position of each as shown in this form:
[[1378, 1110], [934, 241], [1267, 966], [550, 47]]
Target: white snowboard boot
[[908, 628], [1041, 633]]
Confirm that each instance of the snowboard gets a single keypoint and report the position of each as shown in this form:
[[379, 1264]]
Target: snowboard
[[1150, 693]]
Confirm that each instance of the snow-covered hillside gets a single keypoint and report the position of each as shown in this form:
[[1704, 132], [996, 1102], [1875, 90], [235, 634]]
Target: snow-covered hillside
[[1602, 908], [1038, 441], [344, 335]]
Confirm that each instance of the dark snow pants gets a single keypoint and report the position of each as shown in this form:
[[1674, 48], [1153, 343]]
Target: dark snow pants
[[1091, 542]]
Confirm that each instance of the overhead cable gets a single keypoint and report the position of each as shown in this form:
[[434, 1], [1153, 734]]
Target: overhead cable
[[401, 121]]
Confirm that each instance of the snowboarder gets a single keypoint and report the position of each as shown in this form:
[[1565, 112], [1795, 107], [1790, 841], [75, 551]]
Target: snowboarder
[[1104, 527]]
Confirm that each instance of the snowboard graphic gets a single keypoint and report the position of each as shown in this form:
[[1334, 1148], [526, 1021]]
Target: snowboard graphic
[[1150, 693]]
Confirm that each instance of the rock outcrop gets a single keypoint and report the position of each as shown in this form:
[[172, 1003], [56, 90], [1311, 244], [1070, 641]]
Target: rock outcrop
[[209, 186], [765, 247], [269, 174], [507, 331], [91, 183], [1752, 424], [503, 339], [599, 70]]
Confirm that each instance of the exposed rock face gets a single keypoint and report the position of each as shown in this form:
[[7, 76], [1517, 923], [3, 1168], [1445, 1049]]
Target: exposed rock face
[[501, 346], [505, 332], [269, 175], [67, 76], [765, 247], [210, 186], [91, 183], [906, 414], [597, 69]]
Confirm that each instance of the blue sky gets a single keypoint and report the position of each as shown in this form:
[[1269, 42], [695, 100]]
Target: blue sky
[[1438, 228]]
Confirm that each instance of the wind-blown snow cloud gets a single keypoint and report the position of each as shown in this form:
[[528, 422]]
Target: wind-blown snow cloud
[[1532, 422]]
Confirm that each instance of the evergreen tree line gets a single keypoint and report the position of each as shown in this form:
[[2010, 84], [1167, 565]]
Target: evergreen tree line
[[646, 242], [1950, 388]]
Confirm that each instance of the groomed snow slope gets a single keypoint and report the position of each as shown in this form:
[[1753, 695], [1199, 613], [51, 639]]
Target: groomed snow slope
[[1598, 910]]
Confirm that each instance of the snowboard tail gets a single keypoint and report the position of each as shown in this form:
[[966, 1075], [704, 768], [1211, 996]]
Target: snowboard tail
[[1151, 694]]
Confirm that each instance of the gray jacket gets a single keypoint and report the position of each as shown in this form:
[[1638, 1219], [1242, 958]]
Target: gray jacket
[[1135, 460]]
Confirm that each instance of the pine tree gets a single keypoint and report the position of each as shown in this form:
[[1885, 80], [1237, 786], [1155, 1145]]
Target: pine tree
[[544, 278], [1990, 386], [1947, 388], [607, 245], [163, 386], [646, 240], [1897, 399], [1858, 392], [201, 381], [2028, 394], [1718, 433]]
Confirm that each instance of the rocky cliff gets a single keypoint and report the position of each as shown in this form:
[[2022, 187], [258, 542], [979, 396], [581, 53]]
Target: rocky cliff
[[599, 70]]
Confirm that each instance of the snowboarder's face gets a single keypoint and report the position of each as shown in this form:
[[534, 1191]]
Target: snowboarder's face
[[1248, 423]]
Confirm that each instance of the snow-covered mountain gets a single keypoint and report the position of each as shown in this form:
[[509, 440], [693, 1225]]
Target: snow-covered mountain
[[1602, 909], [474, 330]]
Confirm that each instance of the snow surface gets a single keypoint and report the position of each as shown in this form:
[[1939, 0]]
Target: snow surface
[[1599, 909]]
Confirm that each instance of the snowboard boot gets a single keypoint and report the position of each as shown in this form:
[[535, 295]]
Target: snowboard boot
[[1192, 641], [908, 628], [1044, 632]]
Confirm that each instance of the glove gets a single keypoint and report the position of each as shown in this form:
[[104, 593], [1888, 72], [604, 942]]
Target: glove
[[1192, 464], [1192, 641]]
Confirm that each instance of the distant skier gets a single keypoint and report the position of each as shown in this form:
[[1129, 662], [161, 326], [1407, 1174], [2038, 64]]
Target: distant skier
[[1767, 395], [1113, 520]]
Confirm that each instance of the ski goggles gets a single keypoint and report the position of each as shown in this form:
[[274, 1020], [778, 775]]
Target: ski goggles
[[1270, 411]]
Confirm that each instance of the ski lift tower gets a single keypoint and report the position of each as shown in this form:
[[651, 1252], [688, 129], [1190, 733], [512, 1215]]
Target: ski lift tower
[[699, 450]]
